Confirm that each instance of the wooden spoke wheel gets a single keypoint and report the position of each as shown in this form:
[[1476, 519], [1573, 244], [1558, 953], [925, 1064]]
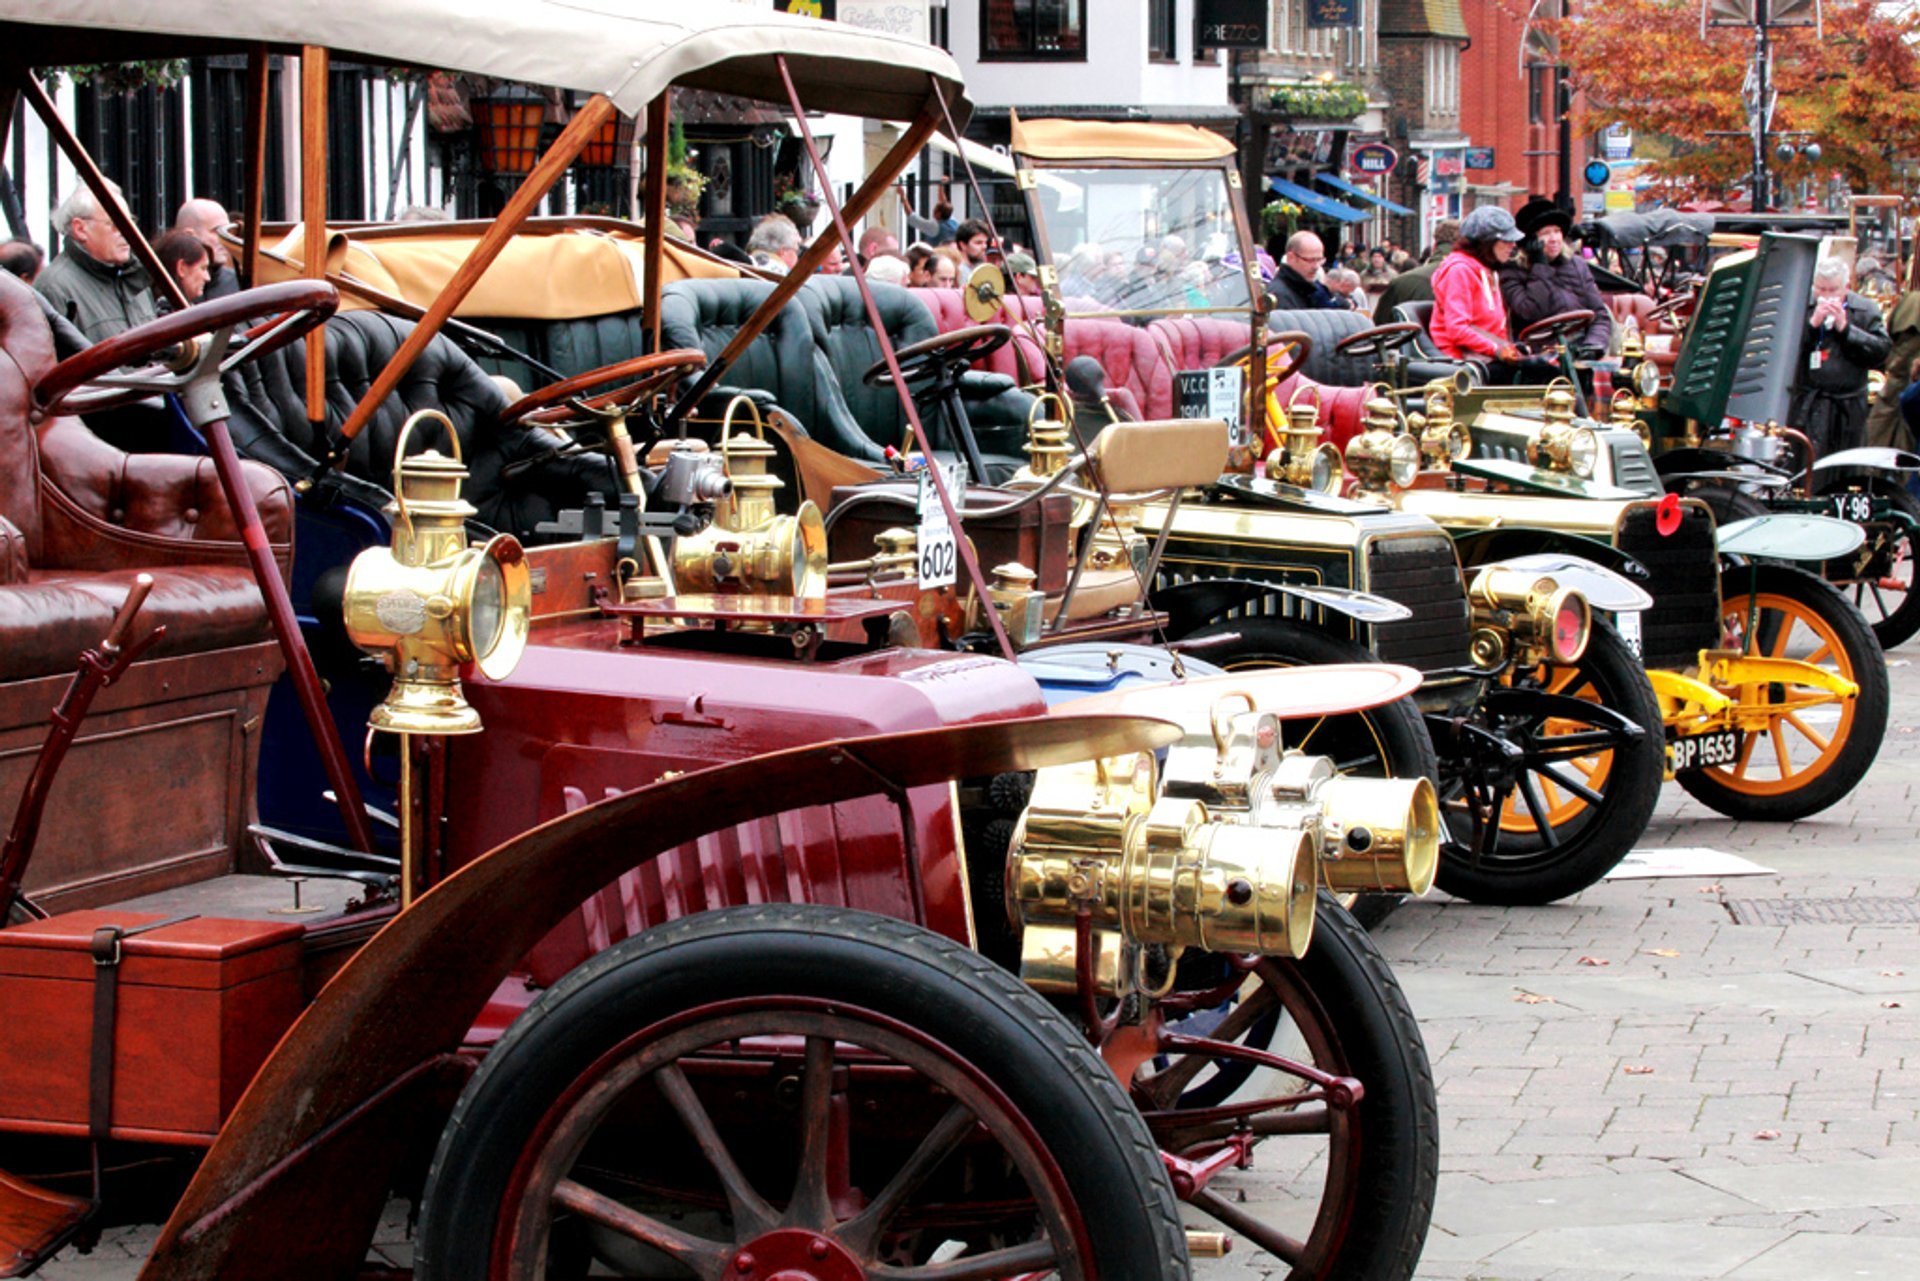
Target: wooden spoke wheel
[[1362, 1207], [1581, 790], [802, 1093], [1805, 747]]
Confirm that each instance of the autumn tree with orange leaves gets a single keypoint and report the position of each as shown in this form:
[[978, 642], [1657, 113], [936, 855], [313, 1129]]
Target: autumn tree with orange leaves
[[1855, 88]]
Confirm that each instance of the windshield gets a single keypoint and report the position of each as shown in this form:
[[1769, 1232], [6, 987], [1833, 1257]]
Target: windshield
[[1153, 240]]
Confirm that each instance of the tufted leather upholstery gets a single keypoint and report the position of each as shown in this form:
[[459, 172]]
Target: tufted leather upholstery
[[787, 359], [1342, 409], [845, 342], [270, 421], [81, 518]]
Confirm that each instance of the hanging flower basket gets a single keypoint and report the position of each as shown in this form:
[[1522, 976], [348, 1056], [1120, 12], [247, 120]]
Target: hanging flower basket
[[1333, 101]]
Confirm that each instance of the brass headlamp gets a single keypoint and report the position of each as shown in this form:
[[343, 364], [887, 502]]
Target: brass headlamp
[[1381, 456], [1049, 440], [1541, 616], [749, 548], [1302, 459], [1562, 446], [1226, 855], [431, 603]]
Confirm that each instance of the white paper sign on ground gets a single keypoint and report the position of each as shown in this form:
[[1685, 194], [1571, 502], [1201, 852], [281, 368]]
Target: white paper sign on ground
[[1684, 860]]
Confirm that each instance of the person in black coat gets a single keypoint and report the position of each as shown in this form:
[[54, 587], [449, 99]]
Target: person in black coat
[[1296, 286], [1550, 278], [1846, 340]]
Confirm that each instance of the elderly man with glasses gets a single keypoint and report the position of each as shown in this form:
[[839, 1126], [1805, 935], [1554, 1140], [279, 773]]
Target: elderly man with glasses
[[93, 281]]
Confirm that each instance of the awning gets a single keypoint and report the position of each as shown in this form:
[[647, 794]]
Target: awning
[[1341, 184], [1315, 201]]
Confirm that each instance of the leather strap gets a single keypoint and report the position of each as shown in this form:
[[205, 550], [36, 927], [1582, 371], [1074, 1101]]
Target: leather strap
[[107, 954]]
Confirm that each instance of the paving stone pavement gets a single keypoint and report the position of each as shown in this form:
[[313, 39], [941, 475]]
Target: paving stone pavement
[[1632, 1086]]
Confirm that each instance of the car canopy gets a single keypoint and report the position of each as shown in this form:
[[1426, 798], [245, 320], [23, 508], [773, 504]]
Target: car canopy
[[628, 50]]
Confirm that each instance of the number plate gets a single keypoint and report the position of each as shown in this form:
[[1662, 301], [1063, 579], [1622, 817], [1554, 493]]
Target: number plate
[[938, 552], [1700, 751], [1627, 624], [1854, 507]]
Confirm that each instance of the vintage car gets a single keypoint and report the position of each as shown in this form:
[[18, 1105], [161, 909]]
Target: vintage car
[[1279, 569], [1772, 688], [616, 992]]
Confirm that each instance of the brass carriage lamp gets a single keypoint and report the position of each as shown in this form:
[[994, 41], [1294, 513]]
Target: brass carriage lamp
[[1381, 456], [1302, 458], [749, 548], [1540, 616], [1443, 438], [431, 603], [1561, 445]]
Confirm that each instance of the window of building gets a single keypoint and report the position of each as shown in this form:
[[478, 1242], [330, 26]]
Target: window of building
[[1443, 77], [1014, 30], [1162, 38], [1539, 89]]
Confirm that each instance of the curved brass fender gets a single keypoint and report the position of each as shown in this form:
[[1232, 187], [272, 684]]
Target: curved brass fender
[[307, 1156]]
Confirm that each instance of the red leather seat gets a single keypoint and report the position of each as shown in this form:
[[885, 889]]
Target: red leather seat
[[1640, 307], [78, 518], [1342, 409]]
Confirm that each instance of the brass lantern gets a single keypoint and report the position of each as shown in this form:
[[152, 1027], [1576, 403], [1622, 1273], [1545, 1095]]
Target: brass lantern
[[749, 548], [1381, 456], [431, 603], [1302, 459]]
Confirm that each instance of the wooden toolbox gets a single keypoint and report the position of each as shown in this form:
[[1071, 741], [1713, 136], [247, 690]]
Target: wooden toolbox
[[201, 1003]]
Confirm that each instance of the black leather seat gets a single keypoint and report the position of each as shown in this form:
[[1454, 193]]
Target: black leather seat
[[270, 424], [1433, 363], [1327, 327]]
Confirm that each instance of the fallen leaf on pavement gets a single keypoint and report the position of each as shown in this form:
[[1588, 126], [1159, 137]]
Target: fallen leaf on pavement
[[1889, 1005], [1764, 1135], [1663, 951], [1638, 1069], [1709, 889], [1595, 960], [1533, 998], [1892, 974]]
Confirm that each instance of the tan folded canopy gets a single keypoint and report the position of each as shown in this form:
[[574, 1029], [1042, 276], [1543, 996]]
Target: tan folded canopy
[[1057, 140], [544, 273]]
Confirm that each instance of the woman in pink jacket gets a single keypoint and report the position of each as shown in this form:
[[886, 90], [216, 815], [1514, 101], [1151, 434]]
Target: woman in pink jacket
[[1469, 318]]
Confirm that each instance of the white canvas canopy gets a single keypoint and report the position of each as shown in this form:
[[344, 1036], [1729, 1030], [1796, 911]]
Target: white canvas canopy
[[629, 50]]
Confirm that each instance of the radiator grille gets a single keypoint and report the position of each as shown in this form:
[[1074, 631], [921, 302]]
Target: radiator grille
[[1684, 578], [1423, 573]]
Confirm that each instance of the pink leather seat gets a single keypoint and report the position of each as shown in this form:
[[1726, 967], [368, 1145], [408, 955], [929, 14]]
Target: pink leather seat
[[1342, 409]]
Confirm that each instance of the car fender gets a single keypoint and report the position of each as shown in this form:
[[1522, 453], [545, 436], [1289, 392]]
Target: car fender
[[1193, 605], [1789, 536], [1509, 542], [1870, 458], [311, 1142]]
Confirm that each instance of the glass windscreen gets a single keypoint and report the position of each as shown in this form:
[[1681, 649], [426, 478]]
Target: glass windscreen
[[1143, 239]]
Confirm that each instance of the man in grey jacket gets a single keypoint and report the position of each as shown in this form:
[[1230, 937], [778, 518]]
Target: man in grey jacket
[[93, 281]]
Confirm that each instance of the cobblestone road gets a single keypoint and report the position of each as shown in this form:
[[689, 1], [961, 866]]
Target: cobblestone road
[[1633, 1085]]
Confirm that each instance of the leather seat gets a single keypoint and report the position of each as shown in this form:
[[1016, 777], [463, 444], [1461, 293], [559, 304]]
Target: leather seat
[[79, 518], [270, 425], [1433, 363]]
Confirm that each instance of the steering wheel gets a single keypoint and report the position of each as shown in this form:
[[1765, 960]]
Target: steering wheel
[[1678, 301], [1289, 346], [561, 402], [96, 379], [1555, 330], [1380, 339], [934, 357]]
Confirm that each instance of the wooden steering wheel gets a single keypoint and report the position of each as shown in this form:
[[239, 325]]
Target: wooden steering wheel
[[97, 379], [934, 357], [1380, 339], [1555, 330], [562, 402], [1287, 351]]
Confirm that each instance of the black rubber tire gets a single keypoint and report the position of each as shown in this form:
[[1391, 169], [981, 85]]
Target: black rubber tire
[[1862, 733], [1526, 869], [1890, 626], [1366, 1030], [1382, 742], [864, 964]]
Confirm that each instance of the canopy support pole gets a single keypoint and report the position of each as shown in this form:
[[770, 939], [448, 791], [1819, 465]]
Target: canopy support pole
[[658, 124], [256, 164], [573, 139], [314, 64], [843, 230]]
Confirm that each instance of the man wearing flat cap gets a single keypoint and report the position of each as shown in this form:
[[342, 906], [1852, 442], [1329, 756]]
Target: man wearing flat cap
[[1548, 278]]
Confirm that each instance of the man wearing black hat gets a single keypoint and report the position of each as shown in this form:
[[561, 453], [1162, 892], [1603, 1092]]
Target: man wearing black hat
[[1548, 278]]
